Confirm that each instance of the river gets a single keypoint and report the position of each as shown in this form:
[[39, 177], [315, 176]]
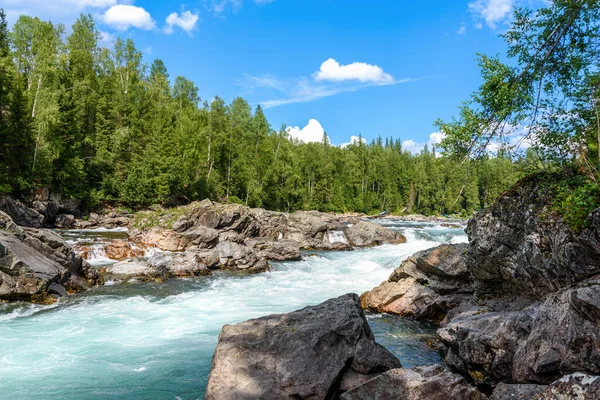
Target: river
[[155, 341]]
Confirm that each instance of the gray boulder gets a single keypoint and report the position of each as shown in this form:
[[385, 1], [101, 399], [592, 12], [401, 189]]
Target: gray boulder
[[427, 285], [312, 353], [366, 234], [520, 245], [238, 256], [421, 383], [65, 221], [20, 213], [34, 263]]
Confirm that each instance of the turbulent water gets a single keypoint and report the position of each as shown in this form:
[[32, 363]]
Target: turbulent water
[[155, 341]]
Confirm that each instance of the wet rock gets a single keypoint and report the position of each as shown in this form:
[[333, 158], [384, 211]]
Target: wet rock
[[421, 383], [366, 234], [523, 391], [120, 250], [65, 221], [576, 386], [305, 354]]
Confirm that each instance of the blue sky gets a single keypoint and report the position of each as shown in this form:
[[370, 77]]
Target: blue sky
[[350, 67]]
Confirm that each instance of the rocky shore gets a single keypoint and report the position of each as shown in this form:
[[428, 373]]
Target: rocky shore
[[518, 307]]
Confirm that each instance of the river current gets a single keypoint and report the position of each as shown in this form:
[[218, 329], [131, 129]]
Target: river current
[[155, 341]]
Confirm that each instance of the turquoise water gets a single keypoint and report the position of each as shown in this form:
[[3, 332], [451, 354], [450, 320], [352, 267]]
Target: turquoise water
[[155, 341]]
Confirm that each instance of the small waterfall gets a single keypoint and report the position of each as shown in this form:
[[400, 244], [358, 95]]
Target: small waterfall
[[337, 237]]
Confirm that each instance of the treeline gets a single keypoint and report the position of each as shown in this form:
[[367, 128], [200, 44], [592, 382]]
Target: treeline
[[100, 125]]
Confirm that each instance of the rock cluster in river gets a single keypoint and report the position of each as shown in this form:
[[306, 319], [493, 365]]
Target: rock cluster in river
[[230, 236], [519, 305], [37, 264]]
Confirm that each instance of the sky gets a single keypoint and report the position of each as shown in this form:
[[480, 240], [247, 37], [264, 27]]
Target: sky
[[373, 68]]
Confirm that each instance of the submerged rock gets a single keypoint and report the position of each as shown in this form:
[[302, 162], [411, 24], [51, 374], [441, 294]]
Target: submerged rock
[[421, 383], [314, 353]]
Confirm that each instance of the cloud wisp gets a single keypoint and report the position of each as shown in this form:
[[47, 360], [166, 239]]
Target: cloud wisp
[[331, 79], [492, 12]]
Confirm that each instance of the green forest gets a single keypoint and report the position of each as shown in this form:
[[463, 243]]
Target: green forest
[[100, 125]]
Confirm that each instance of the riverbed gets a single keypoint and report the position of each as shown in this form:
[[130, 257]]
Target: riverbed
[[155, 340]]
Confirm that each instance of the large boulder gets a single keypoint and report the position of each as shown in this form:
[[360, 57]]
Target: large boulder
[[36, 264], [427, 285], [421, 383], [565, 336], [317, 352], [481, 344], [521, 245], [238, 256], [366, 234], [20, 213], [517, 391]]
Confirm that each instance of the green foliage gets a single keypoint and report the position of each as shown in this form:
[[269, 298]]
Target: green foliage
[[97, 124]]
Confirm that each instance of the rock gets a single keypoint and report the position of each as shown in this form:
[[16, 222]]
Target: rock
[[20, 213], [565, 336], [65, 221], [190, 263], [421, 383], [523, 391], [305, 354], [34, 263], [577, 386], [240, 257], [120, 250], [136, 268], [201, 236], [279, 251], [365, 234], [482, 344], [427, 285], [164, 239], [304, 224], [520, 245]]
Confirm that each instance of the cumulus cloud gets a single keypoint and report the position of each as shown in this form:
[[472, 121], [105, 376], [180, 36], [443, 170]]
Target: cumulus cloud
[[123, 16], [331, 70], [64, 11], [492, 12], [186, 21], [312, 132], [331, 79]]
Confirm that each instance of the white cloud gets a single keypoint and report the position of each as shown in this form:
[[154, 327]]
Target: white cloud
[[331, 70], [220, 6], [462, 30], [63, 11], [435, 138], [354, 140], [493, 12], [330, 80], [106, 39], [186, 21], [312, 132], [124, 16]]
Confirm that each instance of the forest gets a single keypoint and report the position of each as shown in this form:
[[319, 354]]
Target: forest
[[100, 125]]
